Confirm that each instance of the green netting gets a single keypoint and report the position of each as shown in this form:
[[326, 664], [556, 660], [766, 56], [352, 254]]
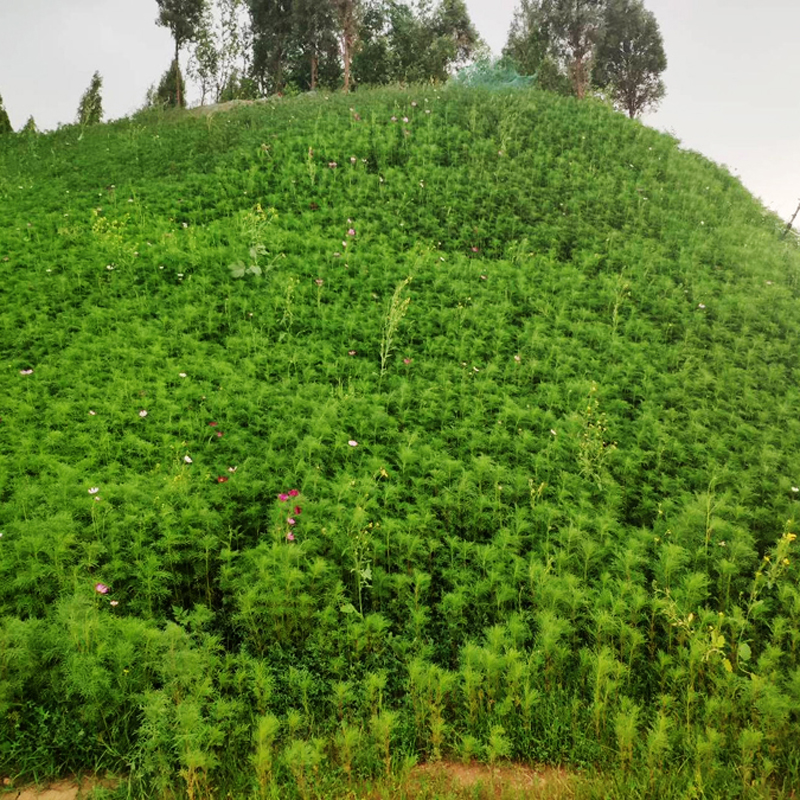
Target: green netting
[[493, 75]]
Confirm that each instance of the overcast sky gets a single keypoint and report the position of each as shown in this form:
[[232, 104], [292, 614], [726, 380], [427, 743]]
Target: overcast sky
[[732, 79]]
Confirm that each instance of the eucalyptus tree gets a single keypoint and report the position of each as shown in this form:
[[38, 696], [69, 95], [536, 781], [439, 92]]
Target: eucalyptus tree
[[272, 25], [630, 56], [184, 19]]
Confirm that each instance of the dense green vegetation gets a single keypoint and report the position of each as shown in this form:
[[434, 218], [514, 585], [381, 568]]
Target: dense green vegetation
[[338, 432]]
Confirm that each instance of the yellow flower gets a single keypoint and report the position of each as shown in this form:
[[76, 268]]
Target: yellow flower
[[786, 561], [791, 536]]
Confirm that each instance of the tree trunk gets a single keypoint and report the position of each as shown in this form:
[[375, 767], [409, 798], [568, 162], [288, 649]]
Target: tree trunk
[[177, 75], [314, 70]]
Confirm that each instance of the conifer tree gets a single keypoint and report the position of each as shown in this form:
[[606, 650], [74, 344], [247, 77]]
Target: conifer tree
[[5, 122], [30, 126], [171, 88], [90, 109]]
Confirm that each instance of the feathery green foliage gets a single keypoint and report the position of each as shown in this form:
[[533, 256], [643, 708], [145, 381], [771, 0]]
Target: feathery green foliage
[[249, 549], [90, 109]]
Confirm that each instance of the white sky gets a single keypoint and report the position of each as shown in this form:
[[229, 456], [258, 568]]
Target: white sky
[[731, 81]]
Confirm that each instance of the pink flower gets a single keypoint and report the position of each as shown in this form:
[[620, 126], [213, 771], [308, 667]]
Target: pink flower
[[101, 588], [283, 497], [294, 492], [220, 434], [353, 443], [290, 536], [213, 424], [291, 520], [297, 511], [475, 250], [351, 232], [407, 361], [26, 372]]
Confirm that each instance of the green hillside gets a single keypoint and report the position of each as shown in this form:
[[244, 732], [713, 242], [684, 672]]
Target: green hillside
[[343, 431]]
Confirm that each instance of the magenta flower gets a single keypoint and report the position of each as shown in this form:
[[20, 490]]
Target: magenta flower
[[297, 511], [294, 492], [101, 588], [283, 497]]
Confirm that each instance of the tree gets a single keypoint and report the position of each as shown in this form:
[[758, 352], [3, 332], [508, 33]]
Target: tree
[[558, 33], [5, 122], [219, 60], [529, 49], [272, 23], [314, 31], [630, 56], [574, 28], [171, 89], [90, 109], [30, 126], [349, 14], [183, 18], [399, 42]]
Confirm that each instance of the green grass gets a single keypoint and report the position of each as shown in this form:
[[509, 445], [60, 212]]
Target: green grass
[[547, 486]]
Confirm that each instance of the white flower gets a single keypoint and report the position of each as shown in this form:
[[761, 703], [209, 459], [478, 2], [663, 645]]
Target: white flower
[[182, 374], [795, 489], [187, 459], [701, 305], [142, 413], [553, 432], [353, 443], [94, 490]]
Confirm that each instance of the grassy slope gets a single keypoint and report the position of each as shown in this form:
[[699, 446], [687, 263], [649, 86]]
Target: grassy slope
[[583, 446]]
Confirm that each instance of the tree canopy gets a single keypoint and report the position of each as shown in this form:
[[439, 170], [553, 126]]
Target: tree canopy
[[630, 56]]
